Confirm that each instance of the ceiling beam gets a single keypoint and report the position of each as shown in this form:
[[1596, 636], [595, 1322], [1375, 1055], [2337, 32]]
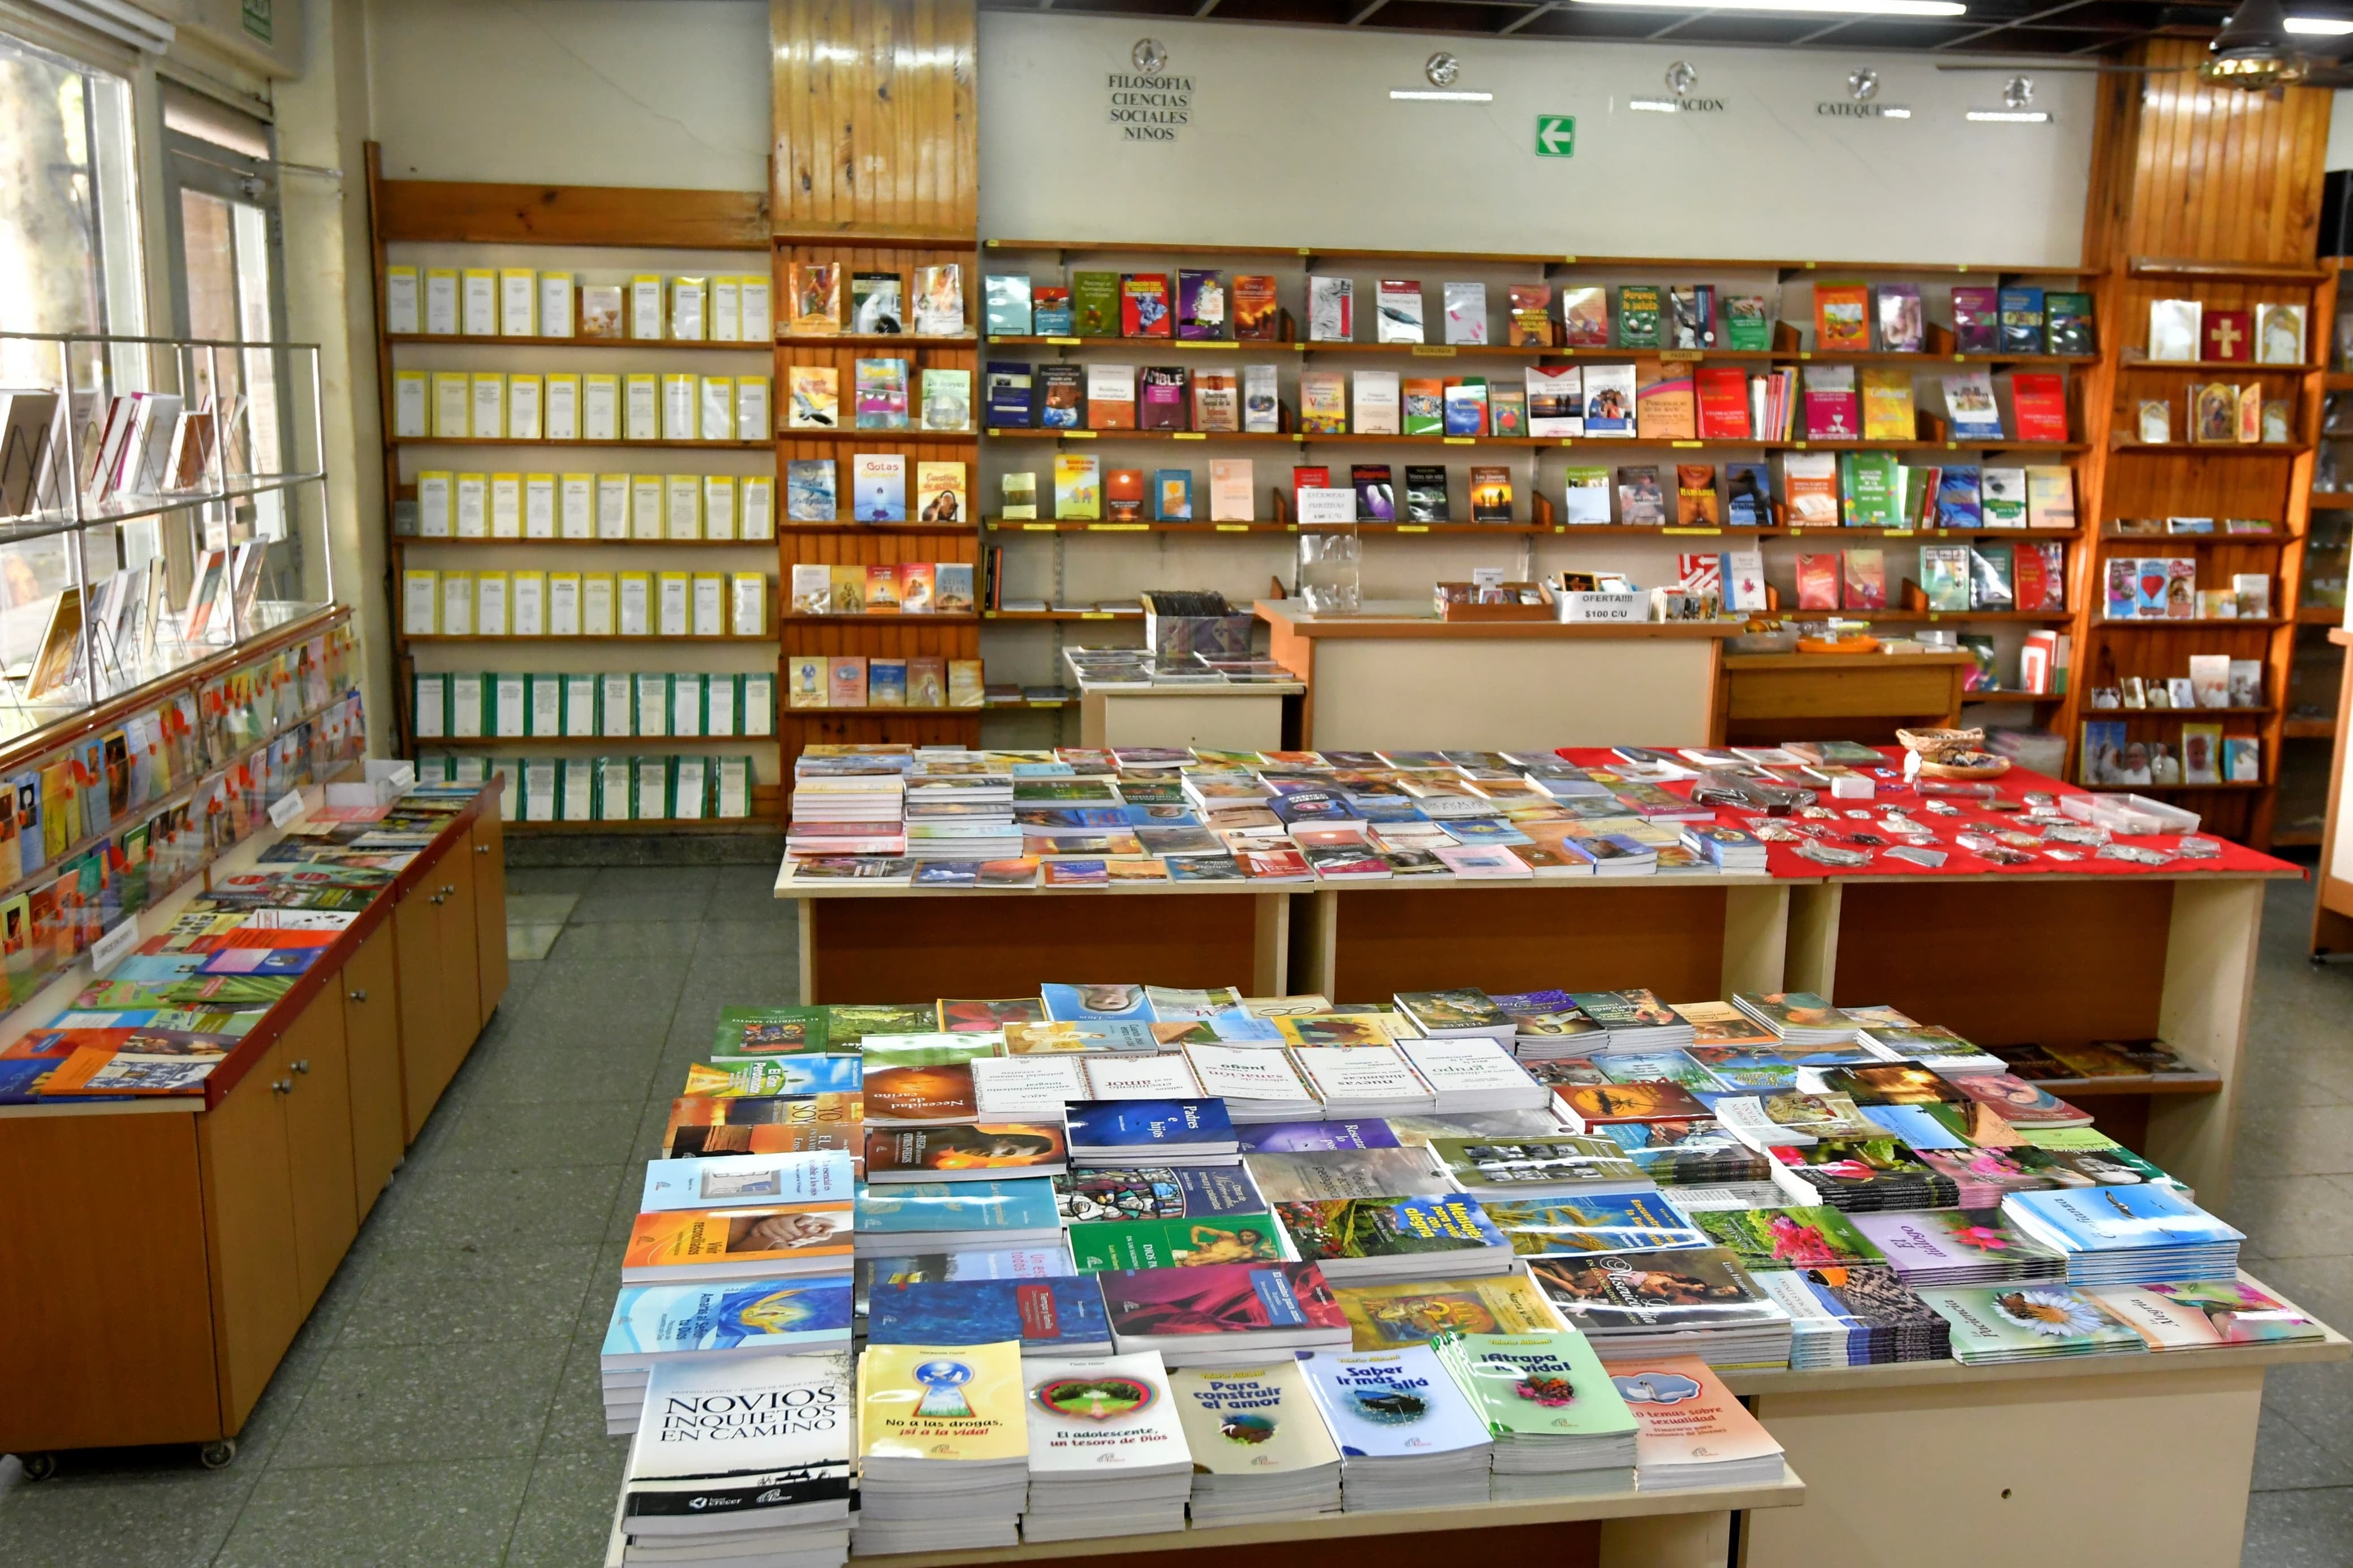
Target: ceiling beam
[[1527, 17], [1360, 17]]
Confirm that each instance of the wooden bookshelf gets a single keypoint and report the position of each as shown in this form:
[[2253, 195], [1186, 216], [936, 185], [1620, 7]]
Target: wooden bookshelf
[[607, 222]]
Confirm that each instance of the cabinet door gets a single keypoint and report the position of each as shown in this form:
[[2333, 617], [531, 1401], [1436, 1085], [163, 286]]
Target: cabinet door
[[368, 990], [424, 1013], [319, 1144], [461, 952], [258, 1300], [490, 857]]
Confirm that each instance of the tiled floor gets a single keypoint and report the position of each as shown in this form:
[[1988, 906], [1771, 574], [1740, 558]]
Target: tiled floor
[[441, 1408]]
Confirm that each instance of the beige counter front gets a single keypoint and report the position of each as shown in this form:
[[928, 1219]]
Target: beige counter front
[[1397, 676]]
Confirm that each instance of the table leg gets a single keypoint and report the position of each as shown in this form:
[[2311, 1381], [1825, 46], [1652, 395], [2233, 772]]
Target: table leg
[[1271, 946], [2210, 979], [1756, 938], [1812, 959], [1668, 1541]]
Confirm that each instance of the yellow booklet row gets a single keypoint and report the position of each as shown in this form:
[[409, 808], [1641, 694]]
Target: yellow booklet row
[[609, 507], [583, 604], [520, 303], [458, 405]]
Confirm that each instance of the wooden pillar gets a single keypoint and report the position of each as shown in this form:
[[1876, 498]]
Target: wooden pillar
[[876, 170], [2211, 194]]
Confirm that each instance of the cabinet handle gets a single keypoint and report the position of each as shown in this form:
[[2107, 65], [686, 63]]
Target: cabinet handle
[[481, 848], [283, 1086], [303, 1066], [358, 996], [447, 888]]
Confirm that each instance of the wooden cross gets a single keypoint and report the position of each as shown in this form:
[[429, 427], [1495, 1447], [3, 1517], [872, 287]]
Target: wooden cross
[[2226, 338]]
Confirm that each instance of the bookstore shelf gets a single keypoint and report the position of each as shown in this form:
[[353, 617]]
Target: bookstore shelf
[[2039, 617], [399, 441], [1584, 443], [1308, 256], [847, 526], [452, 541], [2123, 445], [2200, 540], [871, 437], [2193, 624], [1500, 530], [511, 637], [502, 340], [1452, 1522], [610, 742], [853, 234], [878, 340], [2039, 699], [2135, 361], [2332, 501], [1532, 352], [49, 522], [874, 619], [2176, 714], [2308, 729], [2183, 269], [2319, 614], [1044, 616]]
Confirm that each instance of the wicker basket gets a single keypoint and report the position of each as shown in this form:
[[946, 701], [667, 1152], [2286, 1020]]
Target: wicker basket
[[1953, 753]]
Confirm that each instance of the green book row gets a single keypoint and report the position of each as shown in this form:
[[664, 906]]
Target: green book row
[[465, 706], [605, 789]]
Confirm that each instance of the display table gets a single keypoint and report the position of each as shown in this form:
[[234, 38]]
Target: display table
[[1690, 1529], [2142, 1459], [2332, 904], [1768, 697], [1246, 718], [247, 1195], [1398, 676]]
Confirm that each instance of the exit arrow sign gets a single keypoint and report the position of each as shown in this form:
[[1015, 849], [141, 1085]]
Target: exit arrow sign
[[1556, 135]]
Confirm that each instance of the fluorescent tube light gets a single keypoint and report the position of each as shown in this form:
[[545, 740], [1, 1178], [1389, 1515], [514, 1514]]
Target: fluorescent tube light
[[2320, 26], [1433, 95], [2010, 116], [1842, 7]]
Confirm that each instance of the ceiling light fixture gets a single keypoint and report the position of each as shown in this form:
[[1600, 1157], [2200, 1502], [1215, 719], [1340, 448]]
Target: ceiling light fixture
[[1836, 7], [2320, 26], [1863, 86], [1426, 95]]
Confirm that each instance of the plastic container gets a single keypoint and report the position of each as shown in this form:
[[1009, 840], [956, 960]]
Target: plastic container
[[2132, 816]]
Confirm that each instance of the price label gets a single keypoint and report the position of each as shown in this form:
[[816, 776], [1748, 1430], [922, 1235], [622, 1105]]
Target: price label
[[1233, 528], [1460, 440], [1076, 434], [1095, 614], [1038, 527], [1191, 436], [1433, 351], [1117, 527], [1690, 531], [1691, 444], [115, 946], [1064, 343], [1413, 528]]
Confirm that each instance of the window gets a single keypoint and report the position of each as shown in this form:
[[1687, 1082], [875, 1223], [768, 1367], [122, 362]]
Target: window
[[70, 259]]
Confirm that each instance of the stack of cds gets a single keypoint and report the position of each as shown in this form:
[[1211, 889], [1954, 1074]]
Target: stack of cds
[[2127, 1236], [1408, 1437], [1261, 1450], [1634, 1020], [1685, 1301], [1559, 1427], [1994, 1324], [1797, 1017], [1107, 1456], [1960, 1247], [944, 1447], [742, 1460]]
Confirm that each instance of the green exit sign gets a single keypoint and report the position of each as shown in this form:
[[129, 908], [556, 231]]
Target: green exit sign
[[1556, 135]]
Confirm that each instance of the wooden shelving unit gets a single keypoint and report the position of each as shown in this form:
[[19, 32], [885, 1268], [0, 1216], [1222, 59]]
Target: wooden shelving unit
[[439, 219]]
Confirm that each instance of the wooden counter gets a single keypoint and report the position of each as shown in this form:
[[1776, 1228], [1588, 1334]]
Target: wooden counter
[[1397, 676], [1223, 717], [1768, 698], [247, 1197]]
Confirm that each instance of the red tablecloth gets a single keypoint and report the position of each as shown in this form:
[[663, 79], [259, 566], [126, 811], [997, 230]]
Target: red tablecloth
[[1783, 860]]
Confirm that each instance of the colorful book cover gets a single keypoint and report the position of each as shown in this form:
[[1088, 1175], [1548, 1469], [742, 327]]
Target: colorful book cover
[[1092, 1196], [789, 1236], [1692, 1288], [1392, 1404], [978, 1209], [1386, 1227], [1596, 1222], [1012, 1147], [916, 1404], [1097, 1246], [1379, 1316], [1042, 1314], [757, 1315], [1252, 1421], [1683, 1414], [2012, 1323], [1813, 1237], [1217, 1299], [1550, 1385]]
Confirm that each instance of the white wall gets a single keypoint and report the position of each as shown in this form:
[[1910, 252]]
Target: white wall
[[590, 92], [1294, 140]]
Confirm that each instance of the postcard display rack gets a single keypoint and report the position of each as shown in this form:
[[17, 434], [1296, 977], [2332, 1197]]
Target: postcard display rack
[[252, 1187], [1089, 558], [591, 338], [2183, 494]]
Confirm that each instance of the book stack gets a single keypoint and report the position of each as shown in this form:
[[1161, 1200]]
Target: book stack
[[1363, 1081], [1690, 1157], [1559, 1428], [1547, 1026], [2206, 1313], [1387, 1241], [1689, 1429], [1257, 1085], [1855, 1315], [658, 1325], [1996, 1324], [1634, 1020], [1688, 1302], [944, 1447], [857, 813], [1595, 1223], [1408, 1436], [742, 1460], [1570, 1164], [1261, 1450], [1107, 1453], [1472, 1076], [1960, 1247], [1456, 1015], [917, 1217], [1151, 1132], [2127, 1236], [1223, 1314], [1732, 850], [1797, 1017], [1862, 1175], [951, 831]]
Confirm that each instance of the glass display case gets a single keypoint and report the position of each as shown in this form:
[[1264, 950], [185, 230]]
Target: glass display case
[[163, 502]]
